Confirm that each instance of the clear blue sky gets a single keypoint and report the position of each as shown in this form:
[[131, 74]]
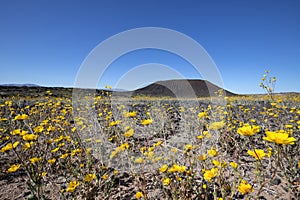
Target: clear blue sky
[[45, 42]]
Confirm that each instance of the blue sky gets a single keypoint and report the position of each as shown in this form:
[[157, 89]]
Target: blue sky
[[45, 42]]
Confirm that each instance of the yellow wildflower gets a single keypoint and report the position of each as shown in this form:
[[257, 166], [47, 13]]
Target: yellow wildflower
[[34, 160], [289, 126], [105, 176], [51, 161], [139, 160], [130, 114], [61, 144], [157, 144], [8, 103], [208, 135], [233, 165], [75, 151], [188, 147], [38, 129], [209, 174], [51, 128], [139, 195], [55, 150], [43, 174], [89, 177], [146, 121], [113, 153], [216, 163], [202, 115], [205, 133], [248, 130], [212, 152], [150, 148], [114, 123], [163, 168], [258, 154], [279, 137], [200, 136], [15, 144], [177, 168], [129, 133], [72, 186], [21, 117], [58, 139], [244, 187], [224, 164], [29, 137], [166, 181], [124, 146], [27, 145], [14, 168], [64, 156]]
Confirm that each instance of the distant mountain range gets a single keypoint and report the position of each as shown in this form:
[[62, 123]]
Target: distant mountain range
[[20, 85], [170, 88]]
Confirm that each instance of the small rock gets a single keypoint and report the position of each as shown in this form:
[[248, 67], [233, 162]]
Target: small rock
[[61, 179], [275, 181]]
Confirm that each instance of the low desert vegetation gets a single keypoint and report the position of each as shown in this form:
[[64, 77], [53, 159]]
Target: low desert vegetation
[[102, 147]]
